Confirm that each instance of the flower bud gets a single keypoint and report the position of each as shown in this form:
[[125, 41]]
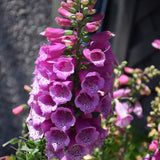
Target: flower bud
[[67, 7], [27, 88], [128, 70], [71, 3], [79, 16], [63, 22], [154, 145], [64, 13], [123, 79], [97, 17], [156, 44], [17, 110], [84, 2], [91, 11], [92, 26]]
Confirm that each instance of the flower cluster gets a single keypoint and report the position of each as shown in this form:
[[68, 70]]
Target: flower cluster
[[73, 84]]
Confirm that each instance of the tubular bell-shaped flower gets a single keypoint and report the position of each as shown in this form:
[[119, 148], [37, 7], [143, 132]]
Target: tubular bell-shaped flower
[[63, 68], [85, 102], [92, 83], [63, 118], [96, 56], [57, 138], [60, 92]]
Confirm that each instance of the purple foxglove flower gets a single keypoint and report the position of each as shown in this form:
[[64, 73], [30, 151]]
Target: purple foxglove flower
[[97, 17], [156, 43], [63, 68], [154, 145], [63, 118], [124, 118], [63, 22], [147, 157], [64, 13], [156, 155], [86, 103], [121, 92], [60, 92], [92, 83], [66, 6], [105, 106], [92, 26], [46, 103], [52, 154], [57, 138], [138, 110], [76, 152], [53, 32], [86, 133], [99, 45], [56, 50], [46, 125], [69, 40], [102, 36], [96, 56]]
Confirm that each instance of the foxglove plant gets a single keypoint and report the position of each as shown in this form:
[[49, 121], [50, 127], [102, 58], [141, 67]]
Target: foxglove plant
[[73, 80]]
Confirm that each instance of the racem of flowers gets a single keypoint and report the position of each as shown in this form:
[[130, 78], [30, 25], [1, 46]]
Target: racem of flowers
[[73, 84]]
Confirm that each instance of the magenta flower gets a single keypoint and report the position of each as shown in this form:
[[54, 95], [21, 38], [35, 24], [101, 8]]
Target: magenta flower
[[52, 154], [85, 102], [19, 109], [86, 133], [63, 118], [105, 106], [92, 82], [64, 13], [97, 17], [46, 125], [92, 26], [55, 50], [156, 43], [60, 92], [154, 145], [95, 56], [128, 70], [53, 32], [46, 103], [138, 110], [57, 138], [121, 92], [63, 22], [69, 40], [63, 68], [124, 118], [102, 36], [147, 157], [156, 155], [123, 79]]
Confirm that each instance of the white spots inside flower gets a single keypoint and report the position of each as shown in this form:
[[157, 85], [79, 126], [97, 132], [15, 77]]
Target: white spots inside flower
[[96, 56]]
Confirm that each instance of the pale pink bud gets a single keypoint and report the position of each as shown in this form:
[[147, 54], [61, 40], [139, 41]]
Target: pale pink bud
[[145, 91], [156, 43], [27, 88], [65, 6], [121, 92], [17, 110], [64, 13], [128, 70], [63, 22], [154, 145], [147, 157], [92, 26], [123, 79], [79, 16]]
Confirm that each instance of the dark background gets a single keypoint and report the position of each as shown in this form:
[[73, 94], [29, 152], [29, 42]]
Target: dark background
[[136, 24]]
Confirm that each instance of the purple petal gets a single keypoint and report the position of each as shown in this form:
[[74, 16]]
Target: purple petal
[[60, 93], [85, 102], [96, 56], [63, 118], [57, 138], [52, 154], [63, 68], [92, 83], [106, 106]]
